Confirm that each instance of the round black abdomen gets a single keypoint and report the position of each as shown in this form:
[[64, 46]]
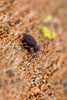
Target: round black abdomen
[[29, 40]]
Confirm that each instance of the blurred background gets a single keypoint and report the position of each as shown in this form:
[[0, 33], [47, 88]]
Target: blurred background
[[44, 79]]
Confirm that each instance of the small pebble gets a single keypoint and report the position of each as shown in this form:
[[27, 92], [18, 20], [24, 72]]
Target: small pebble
[[65, 83], [40, 68], [55, 25], [10, 72], [12, 81], [43, 98]]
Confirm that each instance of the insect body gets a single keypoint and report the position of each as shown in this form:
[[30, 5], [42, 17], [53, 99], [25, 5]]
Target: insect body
[[29, 42]]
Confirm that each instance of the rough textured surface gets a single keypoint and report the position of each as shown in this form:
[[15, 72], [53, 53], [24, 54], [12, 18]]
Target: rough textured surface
[[44, 79]]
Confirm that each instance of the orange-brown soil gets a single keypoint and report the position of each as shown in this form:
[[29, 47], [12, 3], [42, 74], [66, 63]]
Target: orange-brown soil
[[44, 79]]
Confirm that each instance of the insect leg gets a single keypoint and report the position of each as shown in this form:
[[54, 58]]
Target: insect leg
[[32, 52], [43, 52], [26, 46], [24, 43], [31, 57], [35, 57]]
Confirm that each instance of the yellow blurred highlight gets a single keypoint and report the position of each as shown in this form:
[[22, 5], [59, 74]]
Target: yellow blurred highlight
[[48, 33]]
